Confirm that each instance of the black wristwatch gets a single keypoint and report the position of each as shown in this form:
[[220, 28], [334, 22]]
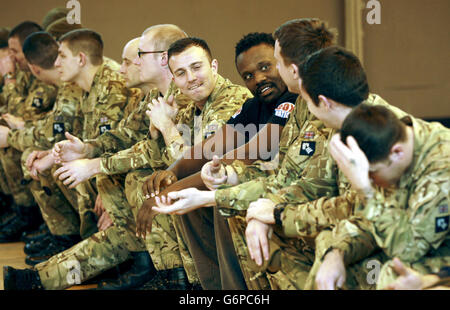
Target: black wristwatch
[[279, 208]]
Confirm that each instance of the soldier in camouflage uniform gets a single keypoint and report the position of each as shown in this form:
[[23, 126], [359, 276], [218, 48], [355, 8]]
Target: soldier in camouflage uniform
[[44, 133], [406, 215], [113, 198], [21, 90]]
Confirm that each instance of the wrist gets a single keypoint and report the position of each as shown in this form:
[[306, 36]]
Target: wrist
[[208, 198], [95, 166]]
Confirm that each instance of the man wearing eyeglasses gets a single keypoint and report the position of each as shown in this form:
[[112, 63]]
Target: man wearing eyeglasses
[[115, 243]]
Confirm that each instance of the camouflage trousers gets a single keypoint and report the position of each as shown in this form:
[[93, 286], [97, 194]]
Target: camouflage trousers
[[10, 160], [101, 251], [59, 205], [376, 271], [167, 249], [431, 263], [4, 188], [255, 277], [83, 261], [111, 191]]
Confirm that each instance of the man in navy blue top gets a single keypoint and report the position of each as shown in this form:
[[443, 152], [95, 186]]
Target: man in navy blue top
[[206, 232]]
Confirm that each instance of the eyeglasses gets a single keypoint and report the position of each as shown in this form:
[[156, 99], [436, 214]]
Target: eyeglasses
[[140, 53]]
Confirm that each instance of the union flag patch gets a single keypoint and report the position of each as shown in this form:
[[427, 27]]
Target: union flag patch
[[309, 135]]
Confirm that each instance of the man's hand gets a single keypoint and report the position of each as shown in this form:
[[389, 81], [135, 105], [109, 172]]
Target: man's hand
[[161, 113], [409, 279], [14, 122], [44, 164], [353, 163], [4, 137], [157, 182], [261, 210], [35, 155], [71, 149], [331, 274], [104, 222], [99, 209], [144, 218], [258, 235], [214, 174], [186, 200], [78, 171]]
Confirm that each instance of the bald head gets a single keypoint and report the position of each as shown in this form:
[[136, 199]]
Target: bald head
[[155, 42], [129, 70], [162, 36]]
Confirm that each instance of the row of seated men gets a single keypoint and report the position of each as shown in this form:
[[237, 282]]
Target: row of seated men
[[162, 174]]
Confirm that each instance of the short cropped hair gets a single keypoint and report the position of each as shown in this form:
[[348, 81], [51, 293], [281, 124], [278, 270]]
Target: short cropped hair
[[4, 33], [60, 27], [40, 49], [164, 35], [53, 15], [300, 37], [23, 30], [336, 74], [253, 39], [183, 44], [86, 41], [375, 128]]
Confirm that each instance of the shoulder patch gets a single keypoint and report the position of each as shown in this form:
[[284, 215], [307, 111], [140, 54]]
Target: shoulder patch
[[37, 102], [284, 109], [308, 148], [443, 209], [441, 223], [309, 135]]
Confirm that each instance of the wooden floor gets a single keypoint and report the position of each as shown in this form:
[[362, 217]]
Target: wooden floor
[[11, 254]]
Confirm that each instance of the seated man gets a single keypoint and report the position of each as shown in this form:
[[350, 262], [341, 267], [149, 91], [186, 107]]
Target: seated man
[[258, 123], [307, 175], [401, 170]]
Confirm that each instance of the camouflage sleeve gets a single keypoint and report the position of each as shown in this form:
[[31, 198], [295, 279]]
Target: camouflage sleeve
[[410, 232], [46, 132], [233, 200], [250, 172], [132, 129], [351, 236], [310, 218], [144, 154], [39, 102]]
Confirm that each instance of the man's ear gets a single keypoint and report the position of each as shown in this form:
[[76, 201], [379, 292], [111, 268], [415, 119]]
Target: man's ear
[[328, 103], [164, 60], [215, 66], [34, 69], [397, 152], [294, 71], [83, 59]]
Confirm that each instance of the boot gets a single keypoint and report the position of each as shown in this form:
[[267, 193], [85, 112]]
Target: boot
[[38, 234], [21, 280], [141, 271], [38, 245], [177, 279], [27, 219], [51, 246]]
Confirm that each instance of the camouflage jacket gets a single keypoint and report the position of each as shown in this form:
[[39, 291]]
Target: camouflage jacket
[[65, 116], [225, 99], [409, 221], [308, 217], [29, 97], [130, 130], [103, 107]]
